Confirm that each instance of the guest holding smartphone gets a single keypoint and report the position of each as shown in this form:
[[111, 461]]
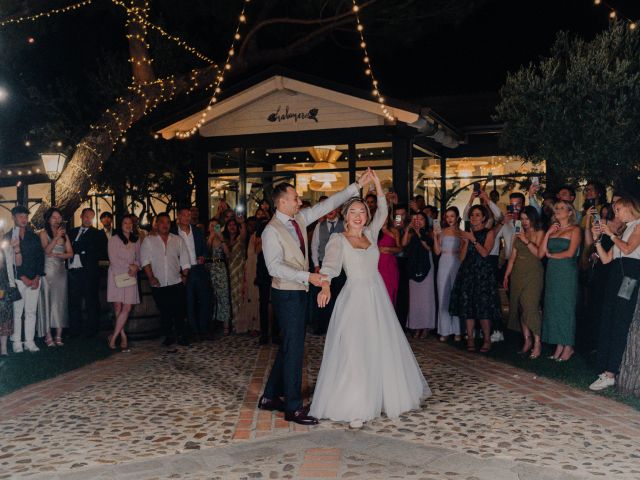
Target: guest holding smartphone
[[422, 295], [524, 279], [475, 292], [621, 291], [53, 309]]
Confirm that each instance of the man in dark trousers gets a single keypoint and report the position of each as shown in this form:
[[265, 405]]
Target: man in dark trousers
[[89, 247], [286, 255], [198, 282]]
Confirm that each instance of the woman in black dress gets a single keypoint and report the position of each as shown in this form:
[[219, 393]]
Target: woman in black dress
[[475, 292]]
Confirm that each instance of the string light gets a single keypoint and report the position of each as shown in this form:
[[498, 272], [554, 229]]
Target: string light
[[47, 14], [242, 19], [375, 88], [616, 15], [141, 18]]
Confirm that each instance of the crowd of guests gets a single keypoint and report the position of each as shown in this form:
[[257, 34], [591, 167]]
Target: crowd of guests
[[200, 281], [443, 273], [552, 260]]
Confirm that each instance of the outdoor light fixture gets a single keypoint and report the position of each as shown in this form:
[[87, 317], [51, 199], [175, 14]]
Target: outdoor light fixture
[[53, 165], [4, 94]]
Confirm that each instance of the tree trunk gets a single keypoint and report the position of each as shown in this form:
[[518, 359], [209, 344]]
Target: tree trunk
[[629, 378], [96, 147]]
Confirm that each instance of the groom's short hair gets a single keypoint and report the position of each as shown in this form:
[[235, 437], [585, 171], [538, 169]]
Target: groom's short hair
[[280, 190]]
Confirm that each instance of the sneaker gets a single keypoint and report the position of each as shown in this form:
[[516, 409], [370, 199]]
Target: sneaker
[[31, 347], [497, 336], [17, 347], [356, 424], [603, 381]]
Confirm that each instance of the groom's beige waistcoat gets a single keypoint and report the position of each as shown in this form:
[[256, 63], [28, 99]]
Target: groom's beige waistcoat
[[292, 254]]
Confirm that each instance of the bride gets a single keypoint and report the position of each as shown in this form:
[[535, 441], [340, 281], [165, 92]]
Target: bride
[[367, 366]]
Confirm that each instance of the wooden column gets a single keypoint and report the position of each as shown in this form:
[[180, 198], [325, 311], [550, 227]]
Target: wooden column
[[443, 185], [401, 154], [242, 177], [353, 158], [201, 181]]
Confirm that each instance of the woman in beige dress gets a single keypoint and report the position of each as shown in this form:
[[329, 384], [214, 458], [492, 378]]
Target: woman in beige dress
[[250, 312], [53, 309]]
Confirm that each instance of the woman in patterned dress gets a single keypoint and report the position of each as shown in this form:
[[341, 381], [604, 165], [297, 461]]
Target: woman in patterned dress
[[219, 273], [234, 234], [475, 292]]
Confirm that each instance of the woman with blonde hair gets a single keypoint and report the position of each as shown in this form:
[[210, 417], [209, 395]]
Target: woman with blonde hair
[[621, 289], [561, 247]]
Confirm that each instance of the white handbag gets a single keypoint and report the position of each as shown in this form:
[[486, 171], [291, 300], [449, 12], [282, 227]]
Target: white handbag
[[125, 280]]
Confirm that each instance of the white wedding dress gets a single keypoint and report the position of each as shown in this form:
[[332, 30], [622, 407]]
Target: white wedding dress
[[367, 366]]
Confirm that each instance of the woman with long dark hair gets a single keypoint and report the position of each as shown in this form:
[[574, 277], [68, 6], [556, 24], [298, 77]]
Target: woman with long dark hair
[[389, 245], [422, 295], [524, 279], [448, 244], [53, 309], [475, 293], [122, 288]]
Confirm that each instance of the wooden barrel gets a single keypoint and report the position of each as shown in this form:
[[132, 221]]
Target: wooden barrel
[[144, 320]]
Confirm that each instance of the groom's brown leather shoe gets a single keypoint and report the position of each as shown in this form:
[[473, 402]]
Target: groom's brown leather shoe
[[270, 404], [300, 417]]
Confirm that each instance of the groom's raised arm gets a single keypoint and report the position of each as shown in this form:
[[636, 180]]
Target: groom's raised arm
[[334, 201]]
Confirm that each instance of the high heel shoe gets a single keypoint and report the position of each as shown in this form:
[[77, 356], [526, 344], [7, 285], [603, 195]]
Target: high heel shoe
[[111, 347], [49, 342], [124, 345], [59, 342]]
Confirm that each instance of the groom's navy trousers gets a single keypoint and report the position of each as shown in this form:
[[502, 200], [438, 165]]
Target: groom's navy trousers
[[285, 379]]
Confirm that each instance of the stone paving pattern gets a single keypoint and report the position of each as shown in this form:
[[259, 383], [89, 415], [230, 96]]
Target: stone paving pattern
[[158, 415]]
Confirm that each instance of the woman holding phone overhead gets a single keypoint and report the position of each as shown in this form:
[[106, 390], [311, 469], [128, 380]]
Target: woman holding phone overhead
[[475, 294], [53, 309]]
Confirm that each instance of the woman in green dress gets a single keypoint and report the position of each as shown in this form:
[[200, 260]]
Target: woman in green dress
[[527, 279], [561, 247]]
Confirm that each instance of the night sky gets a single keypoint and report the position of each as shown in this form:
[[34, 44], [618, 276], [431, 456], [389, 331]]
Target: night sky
[[470, 56]]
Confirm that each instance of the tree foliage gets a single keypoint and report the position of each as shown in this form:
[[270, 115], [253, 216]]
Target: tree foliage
[[579, 108]]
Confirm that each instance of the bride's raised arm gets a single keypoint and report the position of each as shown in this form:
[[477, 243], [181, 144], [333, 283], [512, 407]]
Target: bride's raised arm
[[382, 211], [332, 262]]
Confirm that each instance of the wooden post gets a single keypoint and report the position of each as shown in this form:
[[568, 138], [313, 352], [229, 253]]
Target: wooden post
[[353, 158], [201, 170], [401, 154], [242, 177], [443, 185]]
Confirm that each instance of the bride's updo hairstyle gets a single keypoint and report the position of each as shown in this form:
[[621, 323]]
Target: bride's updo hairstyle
[[347, 206]]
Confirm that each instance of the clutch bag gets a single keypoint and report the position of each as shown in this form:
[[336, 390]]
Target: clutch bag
[[125, 280]]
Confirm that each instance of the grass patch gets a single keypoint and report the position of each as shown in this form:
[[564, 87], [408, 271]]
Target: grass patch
[[21, 369], [578, 372]]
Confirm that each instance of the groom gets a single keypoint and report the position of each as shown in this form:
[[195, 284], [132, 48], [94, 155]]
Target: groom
[[286, 255]]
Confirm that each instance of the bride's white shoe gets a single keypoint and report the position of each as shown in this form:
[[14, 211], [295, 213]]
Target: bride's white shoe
[[356, 424]]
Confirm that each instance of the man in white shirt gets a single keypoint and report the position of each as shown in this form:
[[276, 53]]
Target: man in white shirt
[[166, 262], [332, 223], [287, 258], [106, 219], [198, 283]]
